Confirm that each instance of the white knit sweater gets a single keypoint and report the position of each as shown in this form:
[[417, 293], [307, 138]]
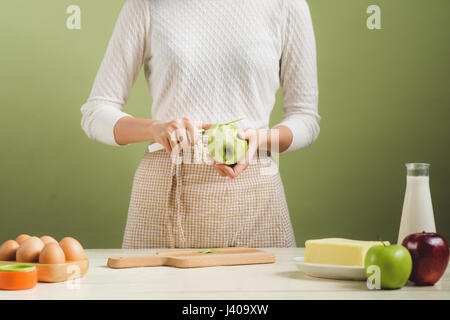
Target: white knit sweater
[[212, 61]]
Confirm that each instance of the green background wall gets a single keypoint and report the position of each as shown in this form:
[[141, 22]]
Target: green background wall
[[384, 100]]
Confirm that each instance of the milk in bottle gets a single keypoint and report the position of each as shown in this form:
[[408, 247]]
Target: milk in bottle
[[417, 213]]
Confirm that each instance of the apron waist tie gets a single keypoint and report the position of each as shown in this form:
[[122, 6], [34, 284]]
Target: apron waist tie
[[177, 178], [196, 153]]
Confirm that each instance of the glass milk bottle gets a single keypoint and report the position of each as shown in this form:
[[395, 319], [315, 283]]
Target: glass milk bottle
[[417, 214]]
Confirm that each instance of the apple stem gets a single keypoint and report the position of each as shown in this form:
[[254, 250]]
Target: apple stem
[[381, 240]]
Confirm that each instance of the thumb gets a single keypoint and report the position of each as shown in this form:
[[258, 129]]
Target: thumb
[[205, 126], [243, 134]]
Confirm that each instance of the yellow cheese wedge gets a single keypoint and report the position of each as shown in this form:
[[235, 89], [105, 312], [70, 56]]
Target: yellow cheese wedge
[[338, 251]]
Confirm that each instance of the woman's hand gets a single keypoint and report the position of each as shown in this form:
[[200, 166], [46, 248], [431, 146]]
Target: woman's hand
[[277, 139], [256, 139], [176, 134]]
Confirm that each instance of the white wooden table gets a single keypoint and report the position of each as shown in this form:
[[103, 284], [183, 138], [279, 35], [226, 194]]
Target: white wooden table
[[280, 280]]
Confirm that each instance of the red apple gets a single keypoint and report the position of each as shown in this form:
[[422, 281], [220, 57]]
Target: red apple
[[430, 254]]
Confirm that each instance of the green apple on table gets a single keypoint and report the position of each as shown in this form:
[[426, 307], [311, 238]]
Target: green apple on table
[[394, 262]]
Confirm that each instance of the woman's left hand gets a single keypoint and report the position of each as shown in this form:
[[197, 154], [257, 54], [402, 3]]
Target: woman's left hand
[[255, 139]]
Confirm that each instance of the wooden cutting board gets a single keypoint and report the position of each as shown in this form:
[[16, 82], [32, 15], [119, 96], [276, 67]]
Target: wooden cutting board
[[58, 272], [194, 258]]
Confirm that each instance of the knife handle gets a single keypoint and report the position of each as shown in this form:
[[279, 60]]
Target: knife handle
[[155, 147]]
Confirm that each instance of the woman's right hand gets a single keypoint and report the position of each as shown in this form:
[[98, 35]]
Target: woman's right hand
[[176, 134]]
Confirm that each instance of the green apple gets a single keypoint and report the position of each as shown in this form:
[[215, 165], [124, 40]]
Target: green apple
[[395, 264], [224, 144]]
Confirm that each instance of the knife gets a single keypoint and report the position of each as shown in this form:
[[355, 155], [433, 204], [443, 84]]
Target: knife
[[157, 146]]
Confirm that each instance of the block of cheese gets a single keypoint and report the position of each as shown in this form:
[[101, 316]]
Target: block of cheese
[[338, 251]]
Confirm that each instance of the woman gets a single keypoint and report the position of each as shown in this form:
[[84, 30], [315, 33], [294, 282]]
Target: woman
[[208, 62]]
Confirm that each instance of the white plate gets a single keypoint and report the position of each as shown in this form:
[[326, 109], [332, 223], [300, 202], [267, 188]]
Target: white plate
[[330, 271]]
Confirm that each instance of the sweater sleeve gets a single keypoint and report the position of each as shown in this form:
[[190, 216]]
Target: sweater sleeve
[[124, 57], [298, 75]]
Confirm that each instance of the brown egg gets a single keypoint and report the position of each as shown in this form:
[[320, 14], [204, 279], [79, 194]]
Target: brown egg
[[21, 238], [48, 239], [72, 249], [29, 250], [52, 254], [8, 250]]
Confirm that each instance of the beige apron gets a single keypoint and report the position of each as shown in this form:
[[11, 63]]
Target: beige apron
[[182, 202]]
